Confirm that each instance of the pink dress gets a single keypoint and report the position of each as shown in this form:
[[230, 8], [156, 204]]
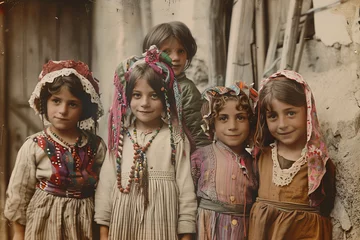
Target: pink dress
[[226, 187]]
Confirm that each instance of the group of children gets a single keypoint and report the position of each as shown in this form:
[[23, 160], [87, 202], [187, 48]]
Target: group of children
[[232, 163]]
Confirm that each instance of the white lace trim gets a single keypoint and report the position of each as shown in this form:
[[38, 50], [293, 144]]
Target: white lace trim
[[283, 177], [86, 124]]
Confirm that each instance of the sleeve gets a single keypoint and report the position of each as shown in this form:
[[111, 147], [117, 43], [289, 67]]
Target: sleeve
[[103, 194], [196, 167], [101, 152], [192, 102], [328, 185], [22, 183], [187, 197]]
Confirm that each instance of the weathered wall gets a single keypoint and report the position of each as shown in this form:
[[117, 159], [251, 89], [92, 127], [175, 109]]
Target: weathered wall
[[333, 75], [331, 66]]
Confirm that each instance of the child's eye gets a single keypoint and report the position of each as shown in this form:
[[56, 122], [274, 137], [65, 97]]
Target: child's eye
[[291, 113], [73, 105], [154, 96], [136, 95], [55, 100], [181, 51], [241, 117], [167, 51], [223, 118], [271, 116]]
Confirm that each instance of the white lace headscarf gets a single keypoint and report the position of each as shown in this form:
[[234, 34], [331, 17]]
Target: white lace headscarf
[[54, 69]]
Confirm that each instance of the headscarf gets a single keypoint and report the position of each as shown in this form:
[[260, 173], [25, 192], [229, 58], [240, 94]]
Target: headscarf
[[54, 69], [160, 63], [237, 89], [317, 154]]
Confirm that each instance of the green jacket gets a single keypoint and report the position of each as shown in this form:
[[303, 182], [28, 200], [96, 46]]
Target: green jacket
[[191, 104]]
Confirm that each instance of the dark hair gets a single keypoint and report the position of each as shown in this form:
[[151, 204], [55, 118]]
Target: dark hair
[[73, 84], [161, 32], [155, 80], [284, 90], [218, 104]]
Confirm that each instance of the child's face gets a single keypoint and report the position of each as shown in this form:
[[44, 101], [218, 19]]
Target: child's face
[[64, 110], [232, 126], [287, 124], [146, 105], [176, 52]]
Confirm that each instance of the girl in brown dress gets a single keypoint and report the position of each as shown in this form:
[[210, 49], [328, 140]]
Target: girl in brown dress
[[296, 176]]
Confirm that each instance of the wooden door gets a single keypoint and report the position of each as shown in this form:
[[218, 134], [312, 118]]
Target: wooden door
[[34, 32]]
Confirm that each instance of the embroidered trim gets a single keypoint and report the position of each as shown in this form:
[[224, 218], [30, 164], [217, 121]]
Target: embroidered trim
[[283, 177]]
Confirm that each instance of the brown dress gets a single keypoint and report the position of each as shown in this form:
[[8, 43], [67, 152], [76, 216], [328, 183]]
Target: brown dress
[[283, 212]]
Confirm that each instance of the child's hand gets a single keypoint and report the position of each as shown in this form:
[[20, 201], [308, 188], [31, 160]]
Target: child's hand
[[19, 236], [19, 231], [104, 232], [186, 236]]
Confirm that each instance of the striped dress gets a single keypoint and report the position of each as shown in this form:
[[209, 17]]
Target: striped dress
[[226, 187], [52, 186], [172, 201]]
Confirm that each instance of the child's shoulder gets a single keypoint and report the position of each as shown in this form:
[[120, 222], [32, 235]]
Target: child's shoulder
[[203, 150], [34, 136]]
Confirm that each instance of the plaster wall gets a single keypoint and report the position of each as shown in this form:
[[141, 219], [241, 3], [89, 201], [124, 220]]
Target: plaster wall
[[333, 75]]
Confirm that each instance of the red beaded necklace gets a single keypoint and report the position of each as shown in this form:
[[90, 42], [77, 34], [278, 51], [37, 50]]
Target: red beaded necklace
[[138, 172]]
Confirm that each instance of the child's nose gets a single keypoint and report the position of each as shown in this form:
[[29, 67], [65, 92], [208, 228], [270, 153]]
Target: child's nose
[[145, 102], [174, 56], [282, 122], [232, 124], [63, 109]]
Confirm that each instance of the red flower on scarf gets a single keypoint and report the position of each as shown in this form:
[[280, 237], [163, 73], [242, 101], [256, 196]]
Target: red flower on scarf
[[152, 56]]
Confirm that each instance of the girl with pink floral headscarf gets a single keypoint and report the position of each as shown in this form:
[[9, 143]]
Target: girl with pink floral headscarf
[[296, 177]]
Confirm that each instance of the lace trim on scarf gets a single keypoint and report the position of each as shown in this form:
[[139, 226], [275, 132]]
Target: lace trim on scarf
[[86, 124], [283, 177]]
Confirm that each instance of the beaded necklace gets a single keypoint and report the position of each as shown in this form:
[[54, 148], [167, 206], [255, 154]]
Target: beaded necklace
[[138, 172], [76, 144]]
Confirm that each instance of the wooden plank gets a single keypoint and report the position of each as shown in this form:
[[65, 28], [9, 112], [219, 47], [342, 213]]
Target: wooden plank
[[4, 230], [260, 37], [69, 32], [291, 33], [271, 52], [32, 63], [48, 32], [15, 72], [84, 13], [217, 43], [306, 21], [239, 65]]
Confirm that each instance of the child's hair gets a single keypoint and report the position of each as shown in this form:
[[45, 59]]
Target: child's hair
[[219, 103], [156, 82], [161, 32], [216, 98], [73, 84], [284, 90]]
